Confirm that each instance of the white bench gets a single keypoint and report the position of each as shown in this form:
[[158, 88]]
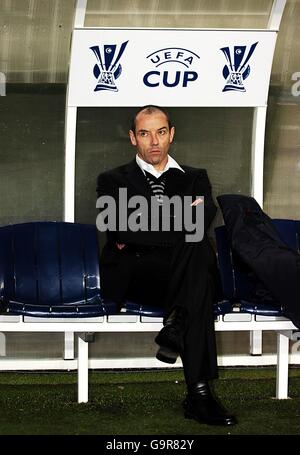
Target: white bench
[[285, 330]]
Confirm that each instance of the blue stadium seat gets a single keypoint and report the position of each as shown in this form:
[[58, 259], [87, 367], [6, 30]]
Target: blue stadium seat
[[50, 269], [238, 281], [142, 310], [297, 224]]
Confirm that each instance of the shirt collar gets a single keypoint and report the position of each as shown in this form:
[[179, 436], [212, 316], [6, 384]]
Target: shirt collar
[[171, 163]]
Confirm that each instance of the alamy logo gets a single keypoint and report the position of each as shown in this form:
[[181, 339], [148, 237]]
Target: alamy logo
[[171, 59], [137, 213], [108, 69], [237, 68]]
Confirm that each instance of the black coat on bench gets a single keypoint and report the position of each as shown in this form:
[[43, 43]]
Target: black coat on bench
[[255, 240]]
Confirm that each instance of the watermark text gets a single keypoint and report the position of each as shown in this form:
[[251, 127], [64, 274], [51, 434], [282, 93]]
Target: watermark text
[[2, 84], [166, 214], [295, 89]]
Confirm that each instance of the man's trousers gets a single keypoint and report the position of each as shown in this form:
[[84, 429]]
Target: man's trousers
[[184, 275]]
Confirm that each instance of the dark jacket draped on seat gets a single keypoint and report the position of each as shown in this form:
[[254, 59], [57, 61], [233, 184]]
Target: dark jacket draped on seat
[[256, 241]]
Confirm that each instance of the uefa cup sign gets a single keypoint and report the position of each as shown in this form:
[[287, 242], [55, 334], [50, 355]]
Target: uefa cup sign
[[237, 68], [108, 68]]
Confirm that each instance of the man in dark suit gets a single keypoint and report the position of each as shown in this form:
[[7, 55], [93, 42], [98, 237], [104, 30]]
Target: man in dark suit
[[160, 267]]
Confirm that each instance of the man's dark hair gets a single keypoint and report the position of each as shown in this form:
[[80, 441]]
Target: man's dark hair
[[149, 109]]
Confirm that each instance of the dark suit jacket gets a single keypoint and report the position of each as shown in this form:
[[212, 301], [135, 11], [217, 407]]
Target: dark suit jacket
[[254, 238], [117, 263]]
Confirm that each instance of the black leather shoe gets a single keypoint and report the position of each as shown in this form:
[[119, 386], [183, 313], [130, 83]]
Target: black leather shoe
[[167, 355], [201, 405], [170, 338]]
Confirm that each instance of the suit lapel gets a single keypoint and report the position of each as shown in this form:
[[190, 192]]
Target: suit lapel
[[135, 178], [176, 182]]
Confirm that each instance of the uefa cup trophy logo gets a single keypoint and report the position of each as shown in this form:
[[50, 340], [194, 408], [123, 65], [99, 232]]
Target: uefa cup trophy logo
[[108, 68], [237, 68]]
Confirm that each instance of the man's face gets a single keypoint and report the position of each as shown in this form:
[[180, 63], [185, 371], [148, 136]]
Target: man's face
[[152, 138]]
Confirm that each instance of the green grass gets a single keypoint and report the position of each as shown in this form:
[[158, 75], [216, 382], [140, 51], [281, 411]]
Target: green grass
[[142, 403]]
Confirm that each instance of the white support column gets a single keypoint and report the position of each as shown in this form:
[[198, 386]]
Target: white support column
[[69, 345], [70, 146], [70, 153], [80, 13], [257, 153], [282, 374], [69, 194], [257, 185], [83, 370], [276, 14], [2, 344], [256, 342]]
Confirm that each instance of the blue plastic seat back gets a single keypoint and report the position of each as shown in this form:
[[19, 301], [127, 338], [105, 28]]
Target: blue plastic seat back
[[287, 230], [238, 281], [135, 308], [49, 265], [297, 224]]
